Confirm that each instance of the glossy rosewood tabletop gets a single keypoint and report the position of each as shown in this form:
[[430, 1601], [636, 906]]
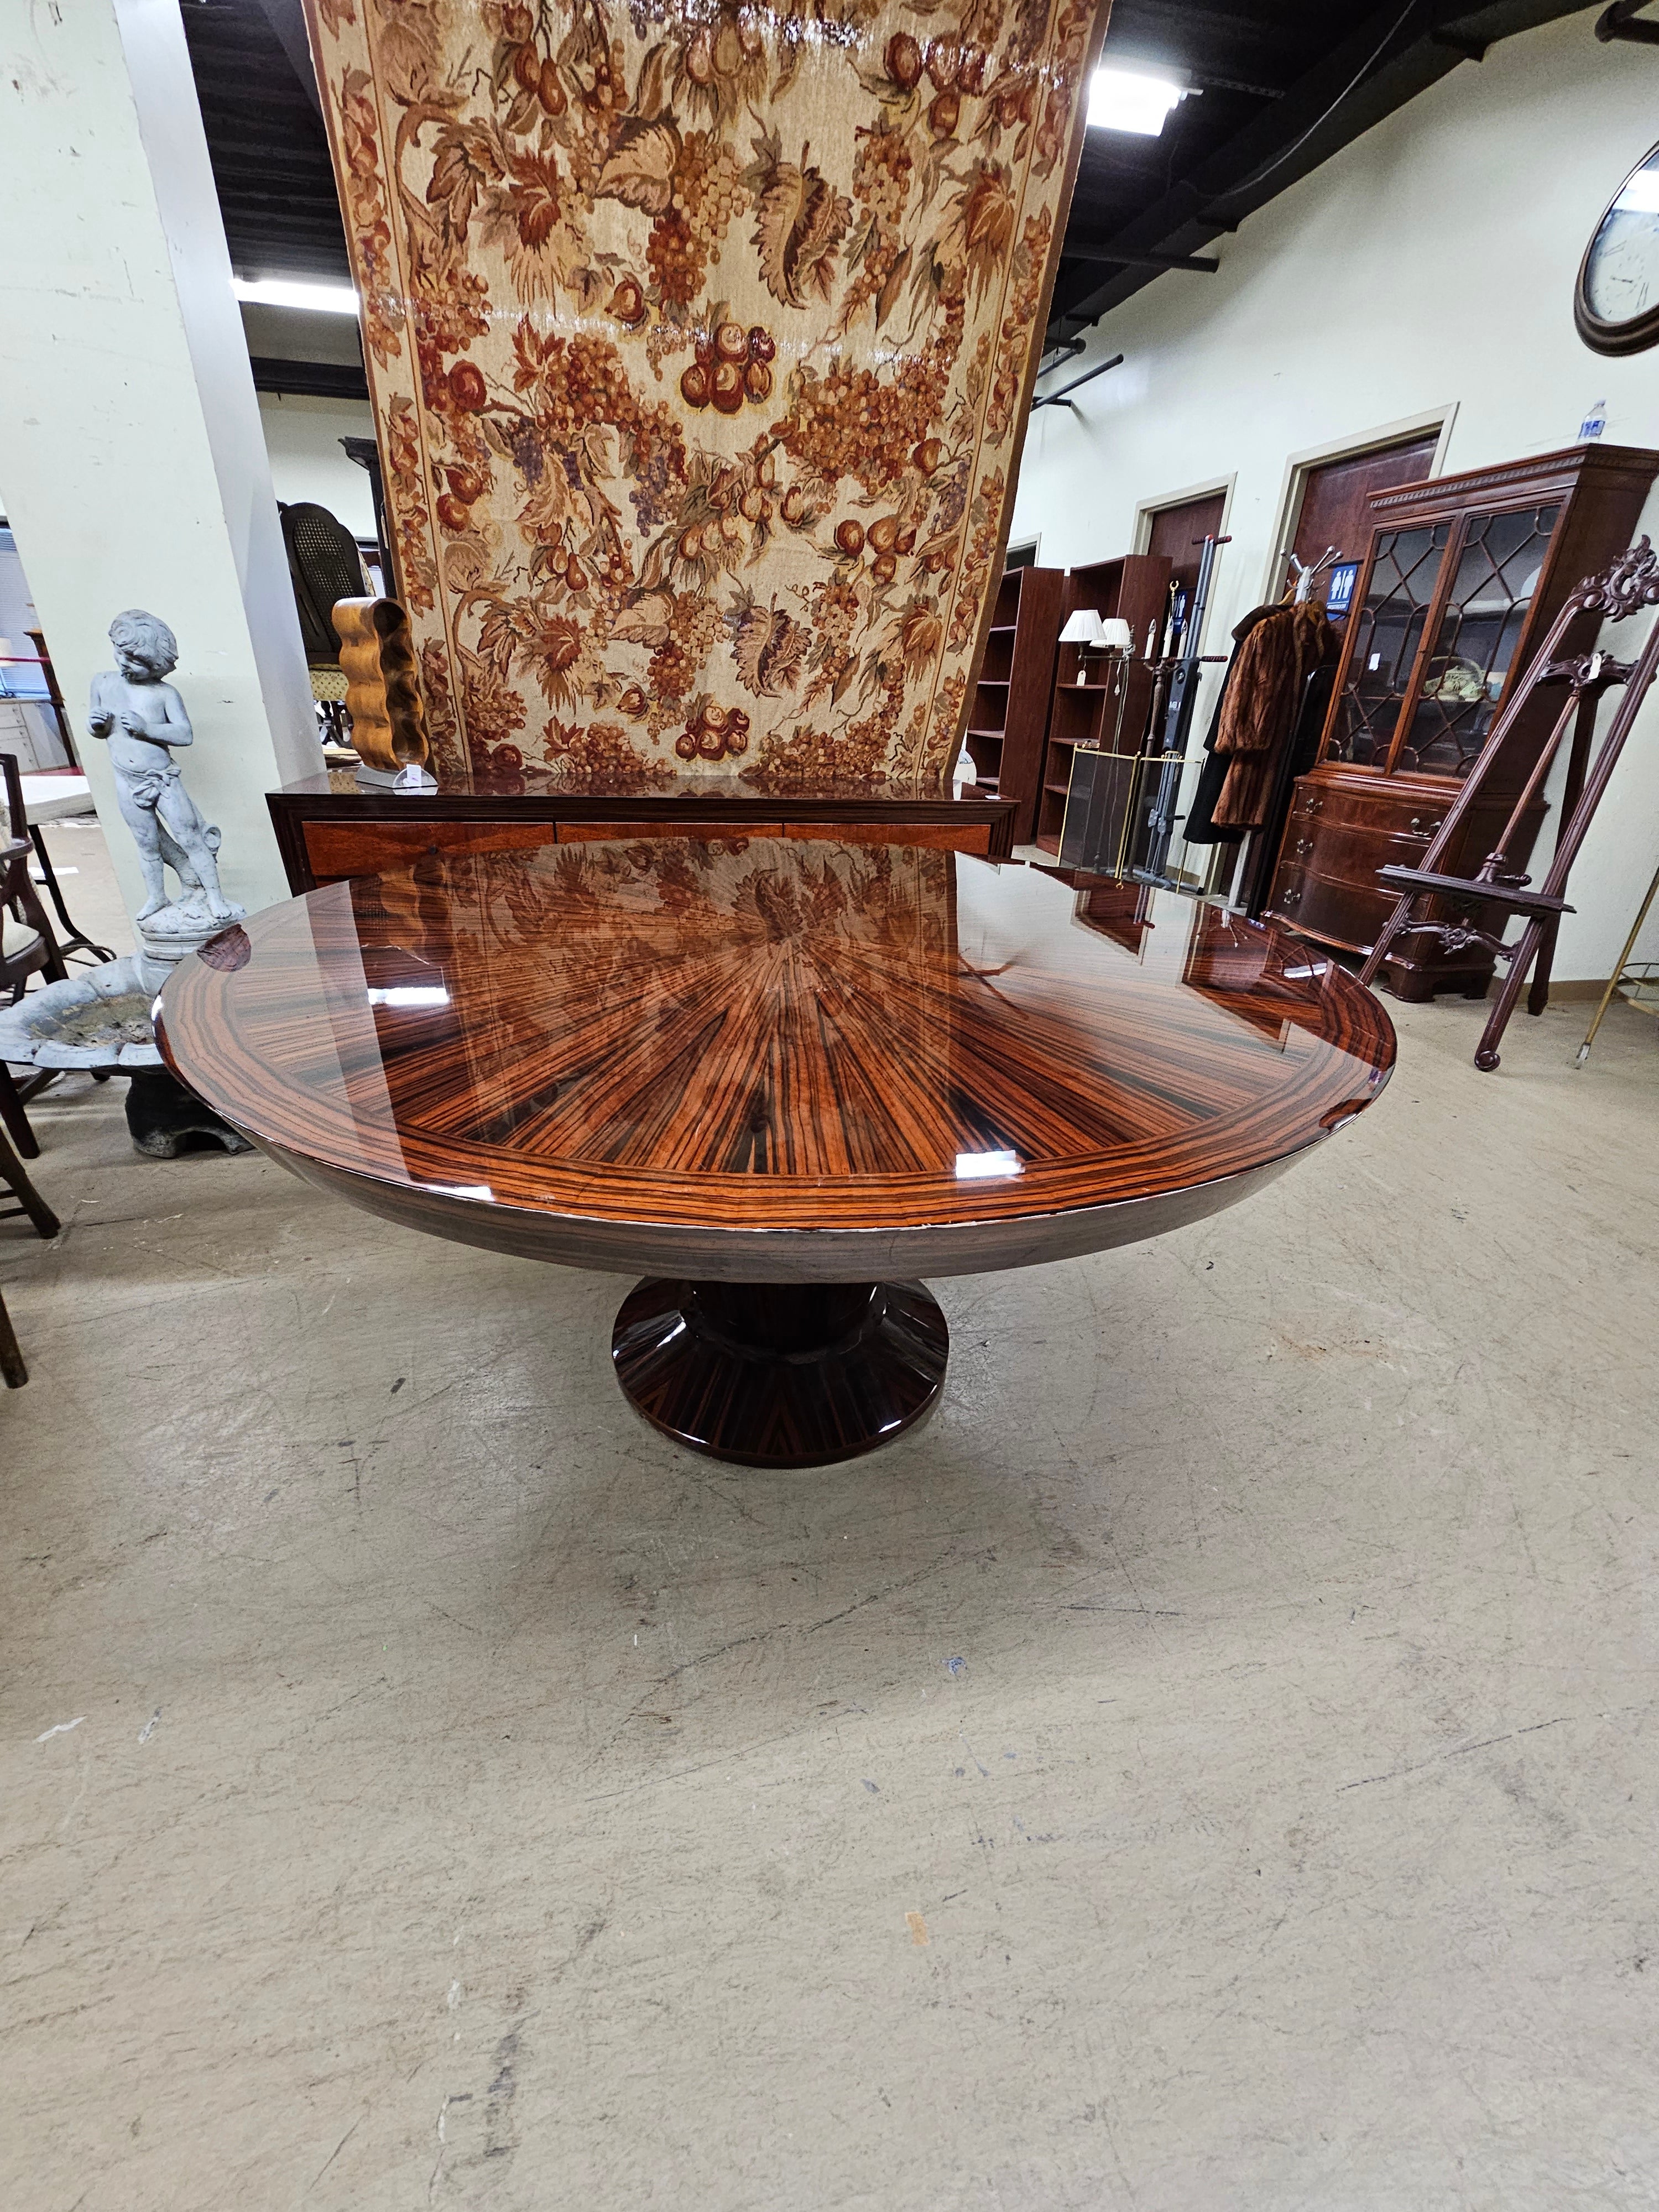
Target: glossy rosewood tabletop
[[762, 1059]]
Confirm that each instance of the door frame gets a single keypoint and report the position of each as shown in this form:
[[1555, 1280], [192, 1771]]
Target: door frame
[[1146, 509], [1299, 466]]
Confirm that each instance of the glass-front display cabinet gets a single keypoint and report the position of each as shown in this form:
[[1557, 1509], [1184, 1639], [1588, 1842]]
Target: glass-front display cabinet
[[1462, 578]]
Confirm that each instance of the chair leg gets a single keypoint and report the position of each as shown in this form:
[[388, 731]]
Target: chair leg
[[13, 1178], [13, 1118], [12, 1370]]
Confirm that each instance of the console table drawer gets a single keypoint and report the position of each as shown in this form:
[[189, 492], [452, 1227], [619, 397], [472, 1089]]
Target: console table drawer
[[339, 849]]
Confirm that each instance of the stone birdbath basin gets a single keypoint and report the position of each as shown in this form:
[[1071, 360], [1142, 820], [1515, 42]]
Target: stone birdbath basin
[[100, 1020]]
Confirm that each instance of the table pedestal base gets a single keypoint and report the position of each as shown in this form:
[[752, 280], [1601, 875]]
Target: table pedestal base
[[781, 1374]]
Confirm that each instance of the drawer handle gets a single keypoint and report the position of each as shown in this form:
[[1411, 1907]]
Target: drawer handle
[[1304, 845], [1419, 827], [1291, 899]]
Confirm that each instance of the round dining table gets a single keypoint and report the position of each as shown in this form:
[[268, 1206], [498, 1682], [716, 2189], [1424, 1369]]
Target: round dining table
[[782, 1081]]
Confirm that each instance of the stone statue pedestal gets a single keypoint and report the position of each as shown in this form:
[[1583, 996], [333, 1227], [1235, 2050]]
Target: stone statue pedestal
[[164, 937]]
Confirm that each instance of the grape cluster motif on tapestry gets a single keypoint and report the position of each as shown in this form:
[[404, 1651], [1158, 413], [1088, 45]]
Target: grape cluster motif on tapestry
[[700, 339]]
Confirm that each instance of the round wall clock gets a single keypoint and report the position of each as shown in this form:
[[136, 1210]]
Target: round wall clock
[[1615, 303]]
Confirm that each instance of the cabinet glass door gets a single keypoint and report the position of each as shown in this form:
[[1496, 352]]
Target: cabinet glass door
[[1388, 631], [1498, 571]]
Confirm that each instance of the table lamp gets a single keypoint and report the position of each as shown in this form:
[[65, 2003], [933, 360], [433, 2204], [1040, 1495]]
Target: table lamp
[[1084, 629]]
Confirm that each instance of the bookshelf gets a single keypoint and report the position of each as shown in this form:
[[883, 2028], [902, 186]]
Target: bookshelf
[[1135, 586], [1009, 717]]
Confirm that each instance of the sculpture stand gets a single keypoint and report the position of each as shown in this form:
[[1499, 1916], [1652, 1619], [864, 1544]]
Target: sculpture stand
[[98, 1019], [161, 1115], [781, 1374]]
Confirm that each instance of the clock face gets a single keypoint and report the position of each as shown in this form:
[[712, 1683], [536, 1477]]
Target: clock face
[[1617, 306]]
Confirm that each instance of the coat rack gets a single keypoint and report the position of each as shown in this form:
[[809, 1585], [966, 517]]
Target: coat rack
[[1497, 890], [1308, 573]]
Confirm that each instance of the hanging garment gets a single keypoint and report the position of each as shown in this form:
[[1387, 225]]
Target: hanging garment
[[1298, 758], [1201, 827], [1262, 703]]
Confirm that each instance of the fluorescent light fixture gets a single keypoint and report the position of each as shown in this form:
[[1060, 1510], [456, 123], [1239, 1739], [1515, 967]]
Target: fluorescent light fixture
[[975, 1167], [411, 995], [1127, 100], [294, 292]]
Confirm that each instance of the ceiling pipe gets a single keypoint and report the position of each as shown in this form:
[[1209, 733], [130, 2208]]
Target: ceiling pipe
[[1129, 257], [1061, 398]]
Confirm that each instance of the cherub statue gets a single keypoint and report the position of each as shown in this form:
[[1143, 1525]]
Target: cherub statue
[[144, 718]]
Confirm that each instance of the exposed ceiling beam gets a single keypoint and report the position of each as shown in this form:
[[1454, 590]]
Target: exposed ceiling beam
[[309, 380], [286, 19]]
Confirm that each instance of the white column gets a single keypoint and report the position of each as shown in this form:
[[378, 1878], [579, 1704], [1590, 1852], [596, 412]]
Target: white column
[[132, 465]]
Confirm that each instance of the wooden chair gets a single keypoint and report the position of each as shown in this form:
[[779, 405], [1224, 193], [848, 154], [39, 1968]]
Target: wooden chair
[[27, 946], [32, 1206], [12, 806], [326, 566]]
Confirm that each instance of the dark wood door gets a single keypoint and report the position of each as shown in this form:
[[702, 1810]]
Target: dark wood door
[[1178, 534], [1335, 498]]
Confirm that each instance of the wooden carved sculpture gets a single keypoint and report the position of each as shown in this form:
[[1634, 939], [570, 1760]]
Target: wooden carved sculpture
[[1486, 900], [700, 341], [383, 692]]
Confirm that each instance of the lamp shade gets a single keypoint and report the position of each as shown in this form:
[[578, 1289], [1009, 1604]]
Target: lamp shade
[[1083, 628], [1116, 635]]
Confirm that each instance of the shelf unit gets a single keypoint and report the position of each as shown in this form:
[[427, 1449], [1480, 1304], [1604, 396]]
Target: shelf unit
[[1010, 711], [1135, 586]]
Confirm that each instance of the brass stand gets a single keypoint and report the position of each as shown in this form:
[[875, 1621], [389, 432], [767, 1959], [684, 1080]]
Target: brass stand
[[1619, 970]]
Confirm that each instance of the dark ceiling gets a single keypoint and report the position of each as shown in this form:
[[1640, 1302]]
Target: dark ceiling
[[265, 137], [1278, 86], [1281, 85]]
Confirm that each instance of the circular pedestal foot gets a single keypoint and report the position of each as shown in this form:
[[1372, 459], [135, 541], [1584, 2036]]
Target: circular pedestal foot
[[781, 1374]]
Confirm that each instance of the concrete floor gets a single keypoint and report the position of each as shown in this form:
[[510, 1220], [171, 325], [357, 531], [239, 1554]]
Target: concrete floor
[[1213, 1766]]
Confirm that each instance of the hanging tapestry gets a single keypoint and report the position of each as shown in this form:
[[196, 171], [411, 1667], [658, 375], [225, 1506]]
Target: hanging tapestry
[[700, 339]]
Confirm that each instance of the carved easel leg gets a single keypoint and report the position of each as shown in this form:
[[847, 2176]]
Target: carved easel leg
[[1396, 926], [1539, 997], [1583, 729], [1526, 950]]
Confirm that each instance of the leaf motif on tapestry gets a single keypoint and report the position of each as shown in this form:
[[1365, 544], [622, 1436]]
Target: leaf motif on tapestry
[[800, 220]]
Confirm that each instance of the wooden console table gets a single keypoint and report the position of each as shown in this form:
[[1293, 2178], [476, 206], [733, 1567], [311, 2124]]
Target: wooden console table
[[329, 828]]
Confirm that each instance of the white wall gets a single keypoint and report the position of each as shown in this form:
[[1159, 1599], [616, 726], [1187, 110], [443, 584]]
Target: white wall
[[131, 461], [302, 437], [302, 434], [1428, 267]]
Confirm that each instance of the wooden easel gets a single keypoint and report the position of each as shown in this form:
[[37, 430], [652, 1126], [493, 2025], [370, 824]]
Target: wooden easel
[[1498, 890]]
